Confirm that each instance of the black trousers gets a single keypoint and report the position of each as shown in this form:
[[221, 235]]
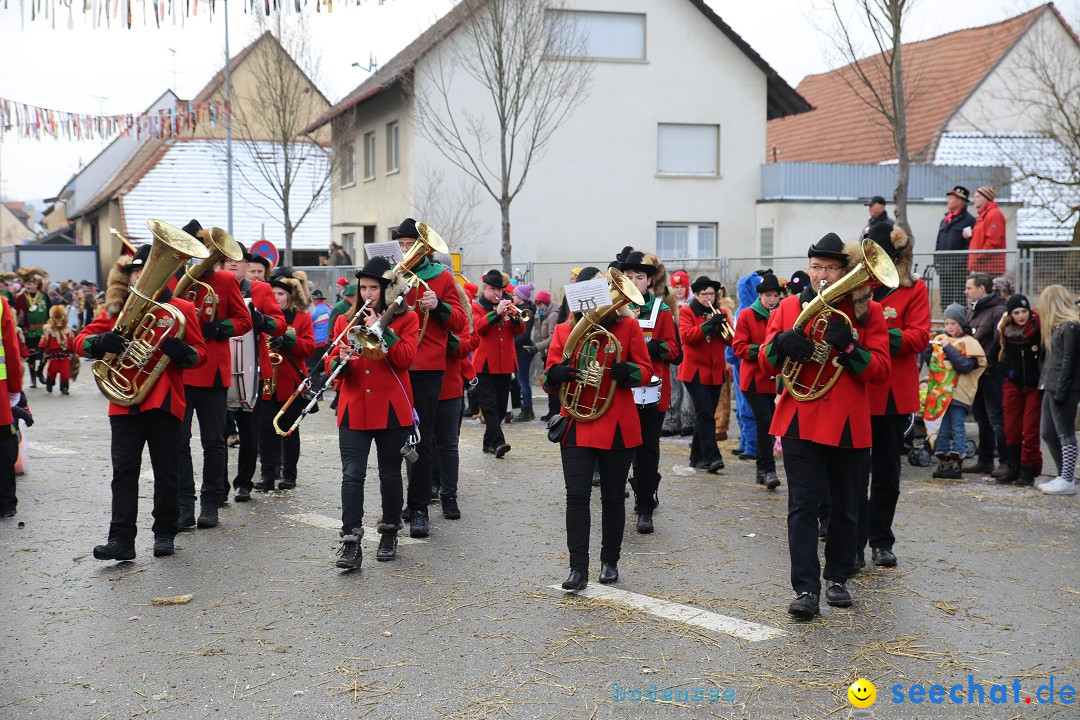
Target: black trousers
[[703, 447], [355, 446], [448, 415], [492, 392], [763, 405], [211, 404], [9, 455], [36, 362], [247, 449], [647, 458], [160, 430], [876, 512], [276, 452], [577, 463], [815, 473], [426, 386], [990, 415]]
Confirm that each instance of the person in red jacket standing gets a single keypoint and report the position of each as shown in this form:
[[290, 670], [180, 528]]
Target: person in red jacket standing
[[701, 323], [157, 421], [988, 234], [376, 405], [826, 440], [759, 387], [907, 317], [607, 442], [57, 342], [294, 346], [12, 411], [495, 358]]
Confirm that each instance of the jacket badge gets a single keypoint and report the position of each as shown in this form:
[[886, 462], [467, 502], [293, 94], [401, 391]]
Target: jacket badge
[[890, 312]]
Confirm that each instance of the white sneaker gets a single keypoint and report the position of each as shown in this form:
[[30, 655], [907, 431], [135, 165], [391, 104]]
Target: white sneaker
[[1058, 486], [1040, 481]]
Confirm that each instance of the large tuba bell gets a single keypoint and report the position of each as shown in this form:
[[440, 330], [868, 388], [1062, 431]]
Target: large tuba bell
[[127, 378], [221, 246], [592, 349], [429, 242], [814, 378]]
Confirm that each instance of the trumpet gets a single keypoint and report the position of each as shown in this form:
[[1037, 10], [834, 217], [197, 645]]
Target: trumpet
[[725, 331], [516, 313]]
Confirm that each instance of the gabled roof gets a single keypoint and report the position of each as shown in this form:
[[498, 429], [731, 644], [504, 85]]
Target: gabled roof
[[782, 99], [217, 83], [940, 74]]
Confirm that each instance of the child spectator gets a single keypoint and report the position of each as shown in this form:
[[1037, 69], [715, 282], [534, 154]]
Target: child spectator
[[1020, 354], [956, 362]]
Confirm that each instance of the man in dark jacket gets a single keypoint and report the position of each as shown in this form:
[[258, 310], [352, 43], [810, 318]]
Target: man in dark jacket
[[987, 307], [878, 214], [951, 267]]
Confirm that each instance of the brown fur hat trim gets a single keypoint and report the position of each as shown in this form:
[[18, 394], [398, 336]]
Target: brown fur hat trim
[[116, 287], [860, 299]]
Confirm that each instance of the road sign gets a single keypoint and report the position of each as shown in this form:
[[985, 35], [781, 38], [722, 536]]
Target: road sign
[[266, 249]]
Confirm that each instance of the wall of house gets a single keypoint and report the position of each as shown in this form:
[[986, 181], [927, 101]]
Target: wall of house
[[14, 232], [596, 189]]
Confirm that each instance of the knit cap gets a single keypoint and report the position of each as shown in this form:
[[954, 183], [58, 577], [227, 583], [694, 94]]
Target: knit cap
[[956, 312], [525, 291]]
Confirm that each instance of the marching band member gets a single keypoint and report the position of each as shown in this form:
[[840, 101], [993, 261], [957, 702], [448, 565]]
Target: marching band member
[[826, 440], [294, 346], [157, 421], [268, 322], [207, 390], [376, 406], [907, 317], [58, 344], [702, 371], [495, 358], [759, 387], [32, 308], [12, 411], [445, 314], [607, 441], [657, 321]]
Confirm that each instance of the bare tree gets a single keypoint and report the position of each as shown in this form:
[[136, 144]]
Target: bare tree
[[878, 77], [450, 210], [527, 57], [289, 171]]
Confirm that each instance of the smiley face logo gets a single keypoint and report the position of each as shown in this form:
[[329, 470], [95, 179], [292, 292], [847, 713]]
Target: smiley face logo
[[862, 693]]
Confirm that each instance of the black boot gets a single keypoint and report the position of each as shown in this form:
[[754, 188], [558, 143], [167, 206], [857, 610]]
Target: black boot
[[1027, 476], [48, 387], [208, 517], [115, 549], [450, 509], [418, 525], [387, 542], [64, 388], [1013, 473], [265, 484], [349, 554], [644, 522]]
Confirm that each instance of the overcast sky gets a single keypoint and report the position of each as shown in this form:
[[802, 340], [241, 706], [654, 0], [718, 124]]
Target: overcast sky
[[120, 71]]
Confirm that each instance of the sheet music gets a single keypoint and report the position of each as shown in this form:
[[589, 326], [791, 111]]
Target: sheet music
[[389, 250], [588, 295]]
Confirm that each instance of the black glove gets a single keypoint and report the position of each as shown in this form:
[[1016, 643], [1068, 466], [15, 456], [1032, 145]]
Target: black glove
[[277, 342], [175, 350], [213, 330], [22, 413], [712, 324], [620, 373], [22, 401], [795, 345], [258, 320], [562, 373], [654, 346], [531, 349], [839, 335], [108, 343]]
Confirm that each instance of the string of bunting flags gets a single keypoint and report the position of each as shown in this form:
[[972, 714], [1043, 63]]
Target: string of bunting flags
[[152, 13], [29, 121]]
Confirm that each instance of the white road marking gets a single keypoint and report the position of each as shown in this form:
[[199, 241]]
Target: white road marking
[[370, 534], [50, 449], [678, 612]]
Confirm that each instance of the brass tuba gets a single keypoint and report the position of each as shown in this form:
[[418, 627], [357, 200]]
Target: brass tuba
[[592, 349], [127, 378], [814, 378], [429, 242], [221, 247]]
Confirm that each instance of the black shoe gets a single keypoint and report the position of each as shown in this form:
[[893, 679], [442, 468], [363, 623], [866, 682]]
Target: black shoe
[[1027, 476], [349, 554], [609, 573], [265, 485], [524, 416], [163, 546], [747, 456], [208, 518], [837, 595], [575, 581], [185, 522], [883, 557], [418, 526], [450, 509], [805, 606], [759, 478], [546, 416], [502, 450], [286, 484], [716, 466], [242, 494], [48, 387], [387, 547], [644, 523], [64, 392], [1012, 474], [115, 549], [700, 465], [771, 481], [10, 512]]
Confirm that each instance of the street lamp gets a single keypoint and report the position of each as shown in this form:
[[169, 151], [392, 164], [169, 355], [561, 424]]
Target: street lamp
[[372, 65]]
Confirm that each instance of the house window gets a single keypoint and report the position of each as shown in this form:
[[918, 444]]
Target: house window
[[348, 164], [688, 149], [766, 242], [687, 240], [348, 242], [597, 35], [391, 147], [369, 156]]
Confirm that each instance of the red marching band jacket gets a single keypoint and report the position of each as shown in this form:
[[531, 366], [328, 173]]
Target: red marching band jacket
[[235, 320], [907, 316], [459, 368], [750, 332], [619, 427], [299, 344], [496, 354], [376, 394], [12, 358], [168, 391], [262, 298], [448, 315], [664, 331], [703, 354], [840, 418]]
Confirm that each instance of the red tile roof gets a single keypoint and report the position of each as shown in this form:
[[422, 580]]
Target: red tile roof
[[939, 75]]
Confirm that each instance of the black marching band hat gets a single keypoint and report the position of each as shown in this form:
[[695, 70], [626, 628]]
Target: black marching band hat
[[829, 246], [588, 273], [799, 282], [703, 282], [636, 260], [768, 282], [493, 278], [377, 268], [881, 233], [407, 229], [192, 228], [138, 260]]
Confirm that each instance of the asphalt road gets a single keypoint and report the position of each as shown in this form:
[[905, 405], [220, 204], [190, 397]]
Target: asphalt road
[[466, 625]]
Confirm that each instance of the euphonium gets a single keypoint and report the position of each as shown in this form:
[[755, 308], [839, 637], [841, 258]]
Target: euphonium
[[221, 246], [814, 378], [127, 378], [592, 349], [429, 242]]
